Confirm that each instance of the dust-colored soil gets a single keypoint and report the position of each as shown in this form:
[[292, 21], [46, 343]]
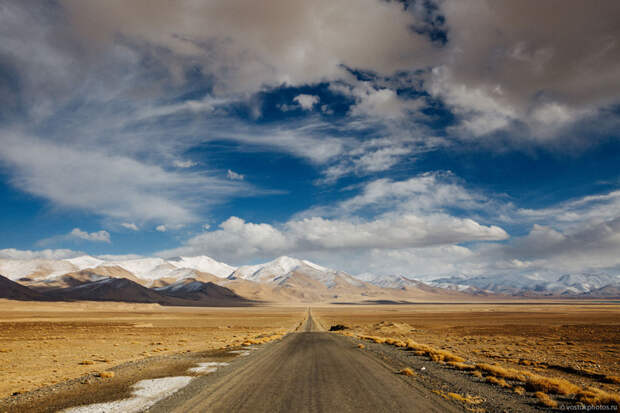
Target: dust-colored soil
[[577, 341], [42, 344]]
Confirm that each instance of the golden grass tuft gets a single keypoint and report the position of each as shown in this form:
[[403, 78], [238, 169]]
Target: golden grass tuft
[[519, 390], [106, 374], [550, 385], [461, 366], [545, 400], [503, 372], [360, 345], [499, 382], [86, 363], [612, 379], [467, 398], [594, 397], [477, 373], [407, 371]]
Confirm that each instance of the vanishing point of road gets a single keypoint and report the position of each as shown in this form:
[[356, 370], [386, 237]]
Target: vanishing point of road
[[309, 371]]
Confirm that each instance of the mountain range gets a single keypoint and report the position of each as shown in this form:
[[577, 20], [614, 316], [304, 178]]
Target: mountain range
[[203, 281]]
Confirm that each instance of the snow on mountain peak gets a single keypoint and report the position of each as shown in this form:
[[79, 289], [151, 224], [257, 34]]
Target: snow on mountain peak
[[272, 270], [204, 264], [85, 261]]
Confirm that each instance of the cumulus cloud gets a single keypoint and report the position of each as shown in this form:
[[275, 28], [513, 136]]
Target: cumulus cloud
[[404, 215], [161, 228], [99, 236], [130, 225], [291, 42], [46, 254], [76, 234], [504, 62], [234, 175], [306, 102]]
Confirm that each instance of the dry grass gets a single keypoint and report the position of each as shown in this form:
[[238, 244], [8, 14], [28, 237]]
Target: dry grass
[[496, 338], [86, 363], [499, 382], [503, 372], [545, 400], [360, 345], [612, 379], [106, 374], [593, 396], [550, 385], [461, 365], [45, 342], [407, 371], [467, 399], [262, 339]]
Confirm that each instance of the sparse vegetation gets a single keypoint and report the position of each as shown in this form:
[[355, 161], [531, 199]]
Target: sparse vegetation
[[407, 371], [360, 345], [497, 357], [498, 382], [468, 399], [106, 374], [338, 327], [545, 400]]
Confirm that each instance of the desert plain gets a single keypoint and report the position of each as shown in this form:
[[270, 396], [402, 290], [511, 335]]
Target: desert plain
[[43, 345]]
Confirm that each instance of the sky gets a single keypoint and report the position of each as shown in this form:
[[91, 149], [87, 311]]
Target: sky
[[422, 138]]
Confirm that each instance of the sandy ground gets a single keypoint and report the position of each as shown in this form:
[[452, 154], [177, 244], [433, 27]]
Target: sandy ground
[[568, 340], [46, 343]]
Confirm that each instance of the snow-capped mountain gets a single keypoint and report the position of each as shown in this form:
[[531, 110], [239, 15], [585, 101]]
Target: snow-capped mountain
[[283, 268], [148, 270], [388, 281], [565, 285], [203, 263]]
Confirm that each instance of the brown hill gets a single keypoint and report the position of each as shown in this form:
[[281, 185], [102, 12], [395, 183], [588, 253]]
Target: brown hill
[[202, 292], [14, 291]]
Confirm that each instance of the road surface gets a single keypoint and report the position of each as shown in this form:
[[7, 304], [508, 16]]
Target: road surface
[[308, 371]]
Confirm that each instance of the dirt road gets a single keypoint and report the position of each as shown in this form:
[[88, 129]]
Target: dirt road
[[308, 371]]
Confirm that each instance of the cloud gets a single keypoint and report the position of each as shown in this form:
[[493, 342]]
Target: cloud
[[184, 164], [504, 63], [161, 228], [47, 254], [283, 42], [77, 234], [114, 186], [414, 213], [99, 236], [306, 102], [130, 225], [234, 176]]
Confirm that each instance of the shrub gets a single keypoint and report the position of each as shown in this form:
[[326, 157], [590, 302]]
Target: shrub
[[545, 400], [407, 371]]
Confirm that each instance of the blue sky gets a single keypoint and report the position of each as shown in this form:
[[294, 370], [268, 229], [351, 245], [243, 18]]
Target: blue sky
[[421, 138]]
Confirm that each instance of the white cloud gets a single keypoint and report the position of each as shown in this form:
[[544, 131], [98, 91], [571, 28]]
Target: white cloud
[[234, 176], [237, 240], [130, 225], [47, 254], [77, 235], [184, 164], [99, 236], [87, 177], [161, 228], [306, 102]]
